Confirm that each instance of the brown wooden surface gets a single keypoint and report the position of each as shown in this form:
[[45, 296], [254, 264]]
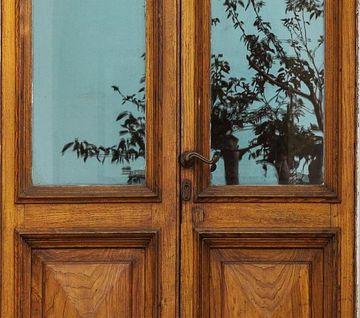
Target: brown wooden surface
[[251, 290], [91, 235], [252, 273], [222, 209], [87, 274], [277, 254]]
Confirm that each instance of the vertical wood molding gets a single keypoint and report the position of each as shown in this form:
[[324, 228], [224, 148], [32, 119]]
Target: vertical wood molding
[[343, 214], [9, 215]]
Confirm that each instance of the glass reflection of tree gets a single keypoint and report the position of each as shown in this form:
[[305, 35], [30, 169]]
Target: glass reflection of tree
[[238, 103], [289, 66], [131, 144]]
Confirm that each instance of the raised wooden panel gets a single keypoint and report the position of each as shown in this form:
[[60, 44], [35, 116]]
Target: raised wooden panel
[[261, 290], [87, 274], [87, 290], [260, 274]]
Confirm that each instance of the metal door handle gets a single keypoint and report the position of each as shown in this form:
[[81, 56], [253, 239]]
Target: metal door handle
[[187, 159]]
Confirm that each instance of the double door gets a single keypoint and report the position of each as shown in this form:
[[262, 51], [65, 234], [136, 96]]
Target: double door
[[167, 158]]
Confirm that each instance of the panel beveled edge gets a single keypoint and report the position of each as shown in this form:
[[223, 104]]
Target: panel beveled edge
[[326, 240], [25, 191], [46, 239], [330, 190]]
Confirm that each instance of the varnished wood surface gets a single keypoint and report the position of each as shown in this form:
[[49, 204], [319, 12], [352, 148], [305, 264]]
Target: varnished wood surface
[[270, 261], [87, 273], [141, 291], [265, 208], [252, 290], [254, 273], [263, 215], [88, 290]]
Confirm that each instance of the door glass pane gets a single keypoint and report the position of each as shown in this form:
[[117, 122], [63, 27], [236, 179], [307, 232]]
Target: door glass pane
[[267, 87], [88, 92]]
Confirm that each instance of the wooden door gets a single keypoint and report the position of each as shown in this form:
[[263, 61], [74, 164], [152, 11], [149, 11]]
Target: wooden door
[[268, 231], [89, 229], [99, 102]]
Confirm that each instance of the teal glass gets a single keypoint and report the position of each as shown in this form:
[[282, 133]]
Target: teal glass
[[88, 120], [267, 89]]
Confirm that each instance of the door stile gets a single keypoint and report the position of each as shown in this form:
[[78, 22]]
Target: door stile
[[188, 128], [343, 214], [11, 215]]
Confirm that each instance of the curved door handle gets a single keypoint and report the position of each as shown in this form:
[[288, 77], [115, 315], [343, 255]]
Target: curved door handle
[[187, 159]]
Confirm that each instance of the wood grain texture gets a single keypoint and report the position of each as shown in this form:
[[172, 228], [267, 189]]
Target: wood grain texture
[[343, 215], [244, 273], [9, 213], [264, 215], [265, 209], [87, 290], [61, 212], [188, 294], [111, 215], [286, 258], [87, 274], [266, 290]]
